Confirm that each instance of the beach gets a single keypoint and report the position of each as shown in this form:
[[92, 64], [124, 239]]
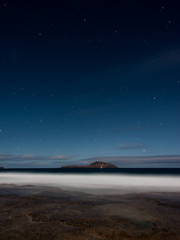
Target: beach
[[42, 212]]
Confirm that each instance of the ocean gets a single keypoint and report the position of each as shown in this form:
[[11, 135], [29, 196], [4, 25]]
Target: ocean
[[96, 181], [139, 171]]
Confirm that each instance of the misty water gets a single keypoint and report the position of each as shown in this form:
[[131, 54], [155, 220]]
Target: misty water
[[96, 183]]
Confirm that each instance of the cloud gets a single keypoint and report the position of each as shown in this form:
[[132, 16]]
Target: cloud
[[25, 157], [129, 161], [59, 157], [131, 146], [120, 161]]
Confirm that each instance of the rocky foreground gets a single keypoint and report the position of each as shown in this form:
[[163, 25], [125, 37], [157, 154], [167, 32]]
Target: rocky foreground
[[97, 164], [48, 213]]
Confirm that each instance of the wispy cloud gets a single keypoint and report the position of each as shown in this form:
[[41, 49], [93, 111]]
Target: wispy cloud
[[60, 160], [25, 157], [128, 161], [131, 146]]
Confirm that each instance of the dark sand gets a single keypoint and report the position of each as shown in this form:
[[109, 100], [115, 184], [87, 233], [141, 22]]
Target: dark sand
[[31, 212]]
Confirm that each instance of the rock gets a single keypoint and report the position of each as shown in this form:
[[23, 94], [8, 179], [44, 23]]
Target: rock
[[97, 164]]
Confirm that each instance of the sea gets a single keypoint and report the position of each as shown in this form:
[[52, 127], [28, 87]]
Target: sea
[[135, 171], [96, 181]]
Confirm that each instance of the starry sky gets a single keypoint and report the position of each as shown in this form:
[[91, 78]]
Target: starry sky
[[89, 80]]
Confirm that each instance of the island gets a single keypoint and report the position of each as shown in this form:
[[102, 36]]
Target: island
[[97, 164], [1, 168]]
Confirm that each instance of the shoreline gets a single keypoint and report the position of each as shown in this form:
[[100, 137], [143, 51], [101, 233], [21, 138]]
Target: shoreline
[[39, 189], [37, 212]]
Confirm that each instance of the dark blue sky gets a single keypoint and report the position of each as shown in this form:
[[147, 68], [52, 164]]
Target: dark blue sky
[[87, 80]]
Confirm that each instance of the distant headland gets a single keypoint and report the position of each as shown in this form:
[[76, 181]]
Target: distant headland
[[97, 164], [1, 168]]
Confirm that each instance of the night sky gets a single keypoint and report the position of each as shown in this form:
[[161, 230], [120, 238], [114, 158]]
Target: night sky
[[90, 80]]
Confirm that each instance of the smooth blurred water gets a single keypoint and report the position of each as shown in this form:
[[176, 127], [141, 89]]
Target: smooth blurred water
[[97, 181]]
